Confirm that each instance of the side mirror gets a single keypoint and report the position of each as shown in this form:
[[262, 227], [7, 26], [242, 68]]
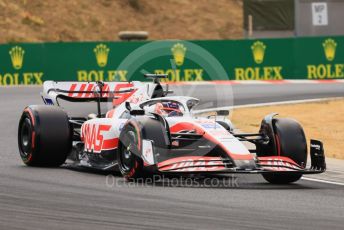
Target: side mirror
[[127, 106], [134, 112], [222, 113], [137, 112]]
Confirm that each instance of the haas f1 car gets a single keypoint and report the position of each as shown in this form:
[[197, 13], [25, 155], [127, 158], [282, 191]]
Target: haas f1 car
[[145, 132]]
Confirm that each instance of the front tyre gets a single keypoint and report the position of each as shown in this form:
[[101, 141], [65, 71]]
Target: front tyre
[[225, 125], [44, 136], [129, 162], [290, 141]]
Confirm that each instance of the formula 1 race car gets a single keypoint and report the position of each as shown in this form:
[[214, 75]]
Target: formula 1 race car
[[147, 132]]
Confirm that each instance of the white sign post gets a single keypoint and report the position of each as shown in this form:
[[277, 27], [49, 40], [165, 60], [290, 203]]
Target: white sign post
[[319, 13]]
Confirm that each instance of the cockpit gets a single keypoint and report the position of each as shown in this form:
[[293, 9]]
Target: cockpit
[[170, 107], [166, 108]]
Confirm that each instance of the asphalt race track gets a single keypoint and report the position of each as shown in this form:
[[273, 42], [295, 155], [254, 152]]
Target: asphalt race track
[[70, 198], [227, 95]]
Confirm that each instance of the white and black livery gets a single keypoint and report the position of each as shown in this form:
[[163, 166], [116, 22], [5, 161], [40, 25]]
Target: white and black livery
[[147, 132]]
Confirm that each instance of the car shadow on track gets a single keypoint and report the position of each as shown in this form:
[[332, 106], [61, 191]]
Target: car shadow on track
[[90, 170], [229, 181], [223, 182]]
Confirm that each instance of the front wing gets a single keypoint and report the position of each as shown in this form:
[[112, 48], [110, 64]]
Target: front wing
[[266, 164]]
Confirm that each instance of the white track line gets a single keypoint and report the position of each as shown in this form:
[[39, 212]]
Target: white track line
[[266, 104], [255, 82], [322, 181]]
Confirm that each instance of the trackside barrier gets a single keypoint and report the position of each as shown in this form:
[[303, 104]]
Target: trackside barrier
[[313, 58]]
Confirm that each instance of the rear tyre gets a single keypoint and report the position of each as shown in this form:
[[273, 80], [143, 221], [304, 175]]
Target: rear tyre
[[290, 142], [44, 136]]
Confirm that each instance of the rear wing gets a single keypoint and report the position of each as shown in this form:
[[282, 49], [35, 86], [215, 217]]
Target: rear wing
[[155, 77], [84, 91]]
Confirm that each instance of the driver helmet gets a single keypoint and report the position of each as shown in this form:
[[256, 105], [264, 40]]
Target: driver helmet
[[169, 109]]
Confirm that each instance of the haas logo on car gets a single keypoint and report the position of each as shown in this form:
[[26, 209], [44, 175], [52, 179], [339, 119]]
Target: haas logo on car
[[199, 165], [93, 136], [85, 90]]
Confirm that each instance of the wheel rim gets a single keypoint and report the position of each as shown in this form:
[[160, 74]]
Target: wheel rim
[[26, 137], [127, 154]]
